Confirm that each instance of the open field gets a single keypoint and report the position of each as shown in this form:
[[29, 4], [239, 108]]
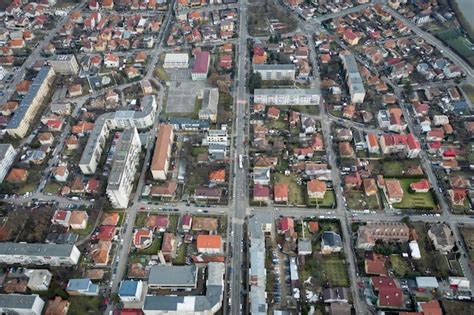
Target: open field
[[457, 307], [335, 271], [459, 43], [390, 168], [469, 90], [413, 200], [357, 200]]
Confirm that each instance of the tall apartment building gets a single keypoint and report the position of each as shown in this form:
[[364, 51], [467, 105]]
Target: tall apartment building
[[287, 96], [275, 72], [39, 254], [162, 153], [25, 113], [124, 167], [65, 64], [210, 101], [354, 80], [110, 121], [21, 304], [7, 157], [176, 60]]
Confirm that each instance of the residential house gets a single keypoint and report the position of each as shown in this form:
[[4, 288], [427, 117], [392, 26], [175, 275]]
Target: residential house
[[368, 234], [82, 287], [330, 243], [442, 237], [280, 193]]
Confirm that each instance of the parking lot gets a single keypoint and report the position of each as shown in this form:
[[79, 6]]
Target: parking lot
[[182, 96]]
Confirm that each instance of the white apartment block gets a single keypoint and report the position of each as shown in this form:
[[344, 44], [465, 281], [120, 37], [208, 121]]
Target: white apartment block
[[110, 121], [124, 167], [275, 72], [354, 80], [218, 136], [65, 65], [287, 96], [176, 60], [7, 157], [25, 113], [39, 254], [21, 304]]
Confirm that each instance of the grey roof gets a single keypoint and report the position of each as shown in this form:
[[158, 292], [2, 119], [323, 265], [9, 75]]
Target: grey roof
[[296, 92], [304, 246], [274, 67], [183, 122], [426, 282], [331, 239], [54, 250], [4, 147], [200, 303], [335, 294], [121, 159], [172, 275], [352, 72], [209, 102], [17, 301], [30, 96]]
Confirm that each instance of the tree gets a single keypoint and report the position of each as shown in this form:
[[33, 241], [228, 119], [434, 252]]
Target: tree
[[255, 81], [408, 88]]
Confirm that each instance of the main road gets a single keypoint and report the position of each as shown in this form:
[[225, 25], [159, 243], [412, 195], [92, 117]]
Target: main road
[[240, 195]]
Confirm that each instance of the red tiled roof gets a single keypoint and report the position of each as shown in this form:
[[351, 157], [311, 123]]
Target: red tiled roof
[[106, 232], [391, 297], [201, 63], [383, 282]]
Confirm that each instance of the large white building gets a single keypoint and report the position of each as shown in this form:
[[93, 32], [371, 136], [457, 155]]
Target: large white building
[[217, 136], [287, 96], [39, 254], [21, 304], [65, 64], [176, 60], [124, 166], [109, 121], [7, 157], [25, 113], [354, 80], [210, 100], [275, 72], [207, 304]]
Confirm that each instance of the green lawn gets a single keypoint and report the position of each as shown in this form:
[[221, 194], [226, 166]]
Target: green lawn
[[413, 200], [27, 187], [469, 90], [52, 188], [391, 168], [458, 43], [279, 124], [173, 223], [83, 305], [357, 200], [153, 249], [140, 219], [296, 194], [335, 271], [85, 231], [400, 265], [328, 201], [180, 255]]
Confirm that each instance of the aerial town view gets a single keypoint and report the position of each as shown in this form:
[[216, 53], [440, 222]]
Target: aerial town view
[[237, 157]]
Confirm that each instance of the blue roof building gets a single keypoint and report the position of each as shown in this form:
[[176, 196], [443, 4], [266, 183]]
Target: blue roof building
[[130, 290], [82, 287]]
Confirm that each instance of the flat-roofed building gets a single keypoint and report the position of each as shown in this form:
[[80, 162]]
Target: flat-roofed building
[[25, 113], [176, 60], [287, 96], [7, 157], [21, 304], [172, 277], [209, 303], [39, 254], [124, 166], [162, 153], [275, 72], [354, 80], [110, 121], [65, 64], [210, 101]]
